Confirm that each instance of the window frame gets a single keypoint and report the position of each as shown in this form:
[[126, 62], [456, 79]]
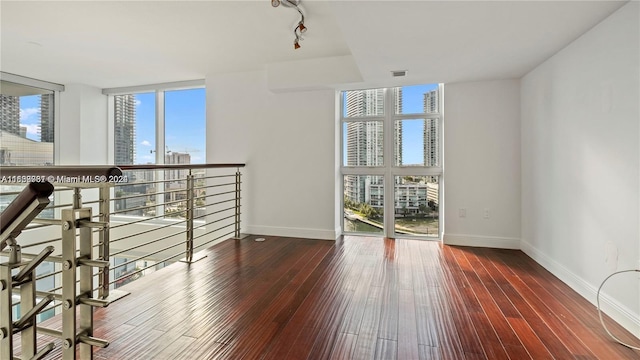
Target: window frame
[[160, 106], [159, 90], [389, 170], [55, 89]]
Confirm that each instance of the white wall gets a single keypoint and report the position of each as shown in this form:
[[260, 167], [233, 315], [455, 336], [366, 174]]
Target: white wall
[[482, 163], [287, 141], [581, 163], [82, 129]]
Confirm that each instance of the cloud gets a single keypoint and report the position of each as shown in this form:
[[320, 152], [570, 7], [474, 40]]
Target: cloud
[[25, 114], [137, 102], [145, 143], [32, 129]]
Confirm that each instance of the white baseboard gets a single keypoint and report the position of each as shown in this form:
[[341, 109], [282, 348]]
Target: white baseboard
[[618, 312], [481, 241], [319, 234]]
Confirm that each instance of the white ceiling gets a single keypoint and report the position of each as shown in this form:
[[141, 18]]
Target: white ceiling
[[124, 43]]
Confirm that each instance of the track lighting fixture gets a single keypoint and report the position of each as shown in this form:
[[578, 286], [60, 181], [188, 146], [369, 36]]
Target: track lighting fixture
[[290, 3], [300, 28]]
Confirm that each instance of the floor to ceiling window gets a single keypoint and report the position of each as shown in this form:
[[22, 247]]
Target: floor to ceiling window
[[27, 121], [28, 113], [163, 126], [155, 125], [391, 149]]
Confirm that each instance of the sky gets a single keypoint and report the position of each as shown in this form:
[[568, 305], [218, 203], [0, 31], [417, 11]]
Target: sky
[[412, 131], [30, 115], [184, 125]]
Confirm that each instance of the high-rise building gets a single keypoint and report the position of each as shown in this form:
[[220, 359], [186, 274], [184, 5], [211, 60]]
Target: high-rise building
[[175, 158], [365, 148], [365, 139], [46, 118], [10, 114], [125, 129], [431, 102], [15, 147], [431, 130], [176, 184]]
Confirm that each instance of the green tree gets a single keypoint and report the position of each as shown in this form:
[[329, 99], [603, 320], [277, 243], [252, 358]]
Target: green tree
[[366, 210], [432, 204], [375, 213], [349, 204], [423, 209]]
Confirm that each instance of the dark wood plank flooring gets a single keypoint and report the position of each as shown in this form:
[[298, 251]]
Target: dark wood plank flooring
[[356, 298]]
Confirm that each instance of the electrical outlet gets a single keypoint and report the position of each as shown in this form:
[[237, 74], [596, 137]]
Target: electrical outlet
[[485, 213], [462, 212]]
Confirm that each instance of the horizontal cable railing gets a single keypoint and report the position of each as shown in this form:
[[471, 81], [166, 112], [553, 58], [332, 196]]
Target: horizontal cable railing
[[172, 205], [138, 219], [29, 291]]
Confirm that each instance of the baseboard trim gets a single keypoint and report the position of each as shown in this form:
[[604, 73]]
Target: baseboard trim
[[319, 234], [618, 312], [481, 241]]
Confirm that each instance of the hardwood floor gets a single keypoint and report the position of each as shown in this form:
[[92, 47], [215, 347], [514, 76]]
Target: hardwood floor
[[357, 298]]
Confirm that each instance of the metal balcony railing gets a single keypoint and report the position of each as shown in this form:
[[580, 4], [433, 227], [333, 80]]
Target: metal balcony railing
[[164, 213], [113, 227]]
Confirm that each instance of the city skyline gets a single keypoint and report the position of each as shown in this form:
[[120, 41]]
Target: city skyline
[[416, 136], [185, 125], [187, 107], [27, 129], [35, 117], [412, 134]]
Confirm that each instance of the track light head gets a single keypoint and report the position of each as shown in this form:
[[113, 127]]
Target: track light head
[[290, 3], [299, 29]]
